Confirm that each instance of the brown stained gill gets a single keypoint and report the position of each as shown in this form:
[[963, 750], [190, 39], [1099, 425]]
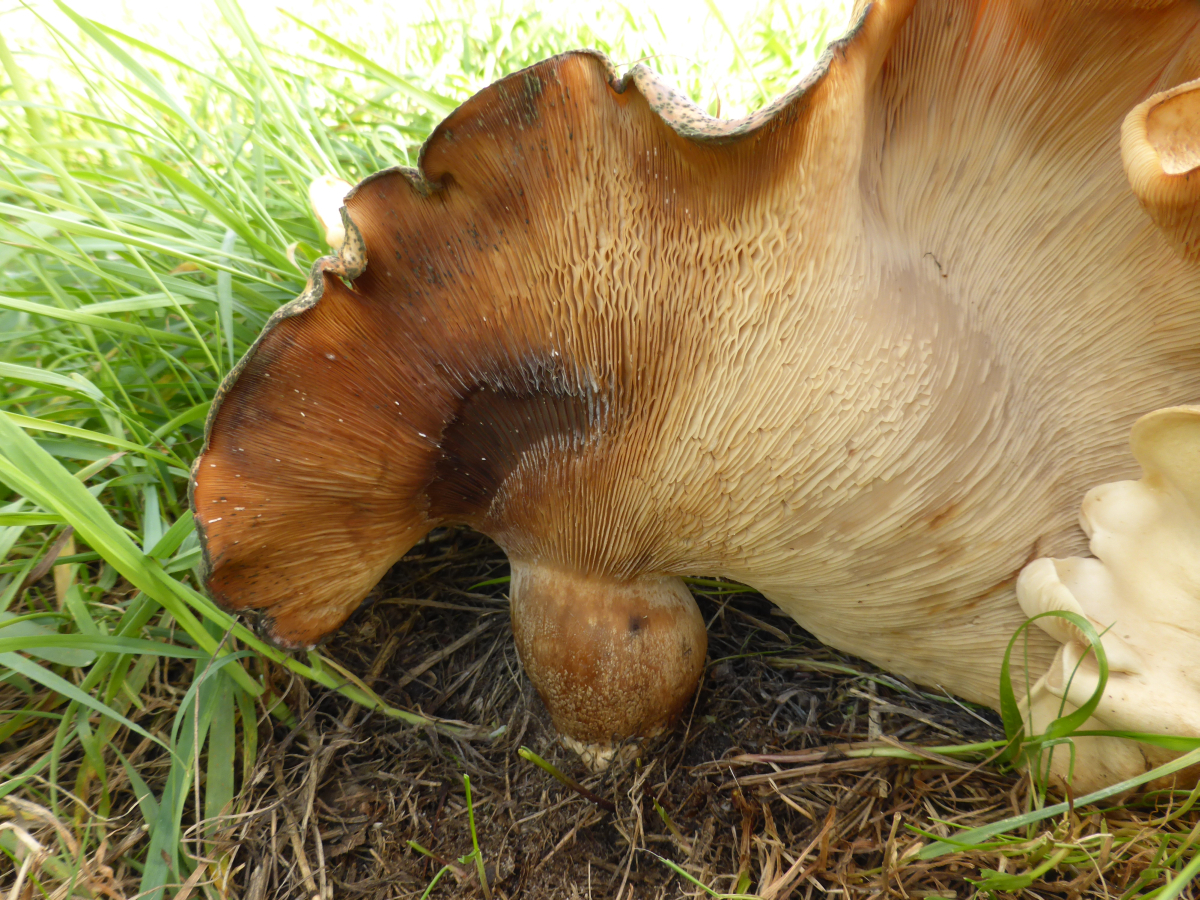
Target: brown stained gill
[[490, 432], [349, 262]]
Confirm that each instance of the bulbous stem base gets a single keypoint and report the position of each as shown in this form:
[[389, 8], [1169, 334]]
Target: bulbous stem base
[[611, 659]]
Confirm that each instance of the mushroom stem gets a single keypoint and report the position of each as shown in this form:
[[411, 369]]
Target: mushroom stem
[[610, 658]]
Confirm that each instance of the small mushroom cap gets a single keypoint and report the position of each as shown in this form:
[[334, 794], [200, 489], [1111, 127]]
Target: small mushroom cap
[[863, 350], [1160, 145], [1142, 594], [326, 195]]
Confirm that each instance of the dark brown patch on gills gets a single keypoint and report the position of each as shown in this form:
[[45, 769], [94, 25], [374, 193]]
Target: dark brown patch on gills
[[488, 436]]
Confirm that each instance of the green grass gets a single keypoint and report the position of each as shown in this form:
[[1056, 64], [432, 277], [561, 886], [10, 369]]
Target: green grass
[[153, 213]]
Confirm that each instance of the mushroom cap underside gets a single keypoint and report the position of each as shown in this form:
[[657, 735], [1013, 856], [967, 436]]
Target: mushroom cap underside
[[613, 333], [415, 388]]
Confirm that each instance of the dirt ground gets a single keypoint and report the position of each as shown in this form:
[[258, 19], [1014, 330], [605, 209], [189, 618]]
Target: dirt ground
[[755, 780], [758, 789]]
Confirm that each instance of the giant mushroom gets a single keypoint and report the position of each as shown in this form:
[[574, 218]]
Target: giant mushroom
[[864, 350]]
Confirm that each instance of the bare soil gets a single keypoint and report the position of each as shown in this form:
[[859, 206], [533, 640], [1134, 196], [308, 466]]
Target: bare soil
[[755, 779], [754, 786]]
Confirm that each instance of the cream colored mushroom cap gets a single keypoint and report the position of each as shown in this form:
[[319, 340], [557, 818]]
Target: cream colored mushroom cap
[[1142, 594], [326, 194], [1160, 145]]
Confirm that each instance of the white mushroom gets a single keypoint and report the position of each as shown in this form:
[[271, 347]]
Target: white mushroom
[[1142, 594], [326, 195]]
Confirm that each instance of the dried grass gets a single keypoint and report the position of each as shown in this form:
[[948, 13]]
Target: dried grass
[[762, 787]]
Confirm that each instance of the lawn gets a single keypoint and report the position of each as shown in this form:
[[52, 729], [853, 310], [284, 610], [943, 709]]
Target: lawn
[[154, 212]]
